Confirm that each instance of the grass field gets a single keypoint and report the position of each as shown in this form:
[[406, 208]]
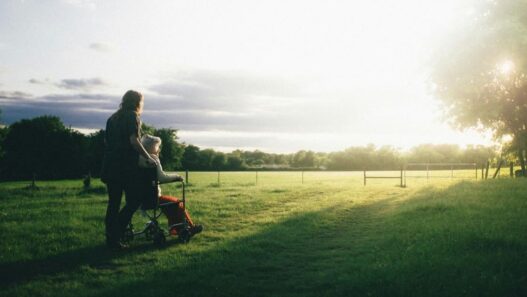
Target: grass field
[[330, 236]]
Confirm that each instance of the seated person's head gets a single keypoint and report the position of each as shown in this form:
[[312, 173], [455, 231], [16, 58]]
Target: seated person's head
[[151, 144]]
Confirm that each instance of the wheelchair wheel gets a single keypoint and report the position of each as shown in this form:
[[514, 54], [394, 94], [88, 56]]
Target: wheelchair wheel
[[184, 235], [151, 229], [159, 238]]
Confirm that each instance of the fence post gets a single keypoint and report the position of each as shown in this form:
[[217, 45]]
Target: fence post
[[33, 181], [87, 181], [401, 177]]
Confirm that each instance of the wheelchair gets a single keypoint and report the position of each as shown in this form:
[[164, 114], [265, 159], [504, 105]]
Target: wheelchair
[[152, 209]]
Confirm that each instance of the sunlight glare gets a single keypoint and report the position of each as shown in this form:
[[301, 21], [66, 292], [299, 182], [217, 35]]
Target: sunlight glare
[[506, 67]]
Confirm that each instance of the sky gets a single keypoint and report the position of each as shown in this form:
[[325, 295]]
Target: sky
[[278, 76]]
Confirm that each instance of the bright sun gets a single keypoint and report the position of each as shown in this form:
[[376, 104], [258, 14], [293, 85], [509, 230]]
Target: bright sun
[[506, 67]]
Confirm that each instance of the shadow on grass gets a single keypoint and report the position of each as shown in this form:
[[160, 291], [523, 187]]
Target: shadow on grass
[[385, 248], [26, 191], [94, 190], [371, 250], [96, 257]]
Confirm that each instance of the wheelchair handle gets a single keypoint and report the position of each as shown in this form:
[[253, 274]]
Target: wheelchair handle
[[182, 190]]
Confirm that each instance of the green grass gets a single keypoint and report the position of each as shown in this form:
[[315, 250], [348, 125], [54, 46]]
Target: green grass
[[330, 236]]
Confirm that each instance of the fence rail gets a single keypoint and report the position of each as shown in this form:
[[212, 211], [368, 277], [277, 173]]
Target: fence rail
[[411, 171], [400, 177]]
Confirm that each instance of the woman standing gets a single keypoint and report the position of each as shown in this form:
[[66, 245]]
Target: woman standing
[[120, 170]]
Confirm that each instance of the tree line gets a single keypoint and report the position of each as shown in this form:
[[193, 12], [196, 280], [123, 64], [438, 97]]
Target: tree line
[[44, 148]]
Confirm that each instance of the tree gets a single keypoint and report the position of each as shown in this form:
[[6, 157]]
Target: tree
[[171, 151], [387, 157], [481, 75], [304, 159], [353, 158], [218, 161], [478, 154], [254, 158], [45, 147], [234, 162], [435, 153], [298, 158], [95, 152], [147, 129], [3, 132], [171, 154], [190, 159], [205, 159]]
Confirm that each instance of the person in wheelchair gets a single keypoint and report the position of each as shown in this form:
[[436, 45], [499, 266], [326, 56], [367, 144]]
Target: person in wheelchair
[[175, 212]]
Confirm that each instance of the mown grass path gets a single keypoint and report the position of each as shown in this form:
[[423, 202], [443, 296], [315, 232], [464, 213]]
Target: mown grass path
[[318, 239]]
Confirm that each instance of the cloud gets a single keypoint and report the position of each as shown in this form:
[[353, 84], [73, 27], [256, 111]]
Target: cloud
[[227, 84], [14, 95], [100, 47], [37, 81], [238, 101], [78, 110], [226, 92], [205, 100], [81, 84], [196, 101]]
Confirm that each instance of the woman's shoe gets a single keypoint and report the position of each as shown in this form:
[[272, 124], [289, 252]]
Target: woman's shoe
[[195, 229]]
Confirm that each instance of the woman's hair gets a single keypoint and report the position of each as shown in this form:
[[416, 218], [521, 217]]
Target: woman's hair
[[150, 143], [131, 101]]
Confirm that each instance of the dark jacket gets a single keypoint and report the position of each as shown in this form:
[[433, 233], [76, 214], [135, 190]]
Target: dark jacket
[[120, 161]]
